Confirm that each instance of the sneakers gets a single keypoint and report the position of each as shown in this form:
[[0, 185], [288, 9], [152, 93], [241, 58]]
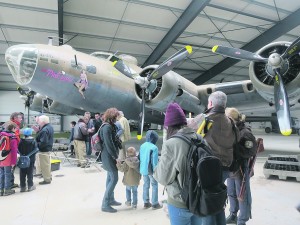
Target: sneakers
[[8, 192], [115, 203], [45, 182], [128, 203], [157, 206], [231, 219], [109, 209], [78, 165], [134, 206], [147, 205], [31, 188], [23, 189], [1, 192], [14, 186]]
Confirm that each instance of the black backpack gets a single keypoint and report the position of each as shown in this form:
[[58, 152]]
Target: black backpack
[[203, 190]]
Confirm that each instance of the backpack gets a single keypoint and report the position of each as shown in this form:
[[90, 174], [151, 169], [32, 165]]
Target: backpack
[[96, 141], [4, 147], [24, 160], [203, 190]]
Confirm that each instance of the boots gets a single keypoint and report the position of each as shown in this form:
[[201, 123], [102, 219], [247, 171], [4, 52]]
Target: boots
[[8, 192], [231, 219], [1, 192]]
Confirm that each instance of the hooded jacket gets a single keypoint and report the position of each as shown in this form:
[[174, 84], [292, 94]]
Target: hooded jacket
[[11, 158], [26, 146], [145, 152], [172, 166], [130, 168]]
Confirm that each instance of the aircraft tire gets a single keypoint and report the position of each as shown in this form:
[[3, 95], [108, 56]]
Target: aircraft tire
[[268, 130]]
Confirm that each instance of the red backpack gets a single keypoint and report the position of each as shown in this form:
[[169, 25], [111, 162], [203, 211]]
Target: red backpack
[[4, 146]]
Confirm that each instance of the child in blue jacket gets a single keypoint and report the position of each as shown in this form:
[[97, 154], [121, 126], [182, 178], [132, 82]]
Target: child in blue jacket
[[148, 161]]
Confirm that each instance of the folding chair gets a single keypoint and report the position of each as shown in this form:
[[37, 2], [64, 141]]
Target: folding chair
[[93, 160]]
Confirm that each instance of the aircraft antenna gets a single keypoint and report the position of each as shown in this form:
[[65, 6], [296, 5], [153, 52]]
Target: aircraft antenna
[[75, 60]]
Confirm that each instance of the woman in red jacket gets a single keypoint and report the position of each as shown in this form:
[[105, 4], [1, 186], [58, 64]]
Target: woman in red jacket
[[8, 161]]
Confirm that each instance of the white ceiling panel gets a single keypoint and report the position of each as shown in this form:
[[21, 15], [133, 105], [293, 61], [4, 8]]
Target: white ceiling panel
[[202, 26], [28, 18], [234, 32], [144, 34], [4, 78], [232, 4], [169, 3], [44, 4], [295, 31], [259, 10], [113, 9], [218, 13], [129, 48], [149, 15], [91, 43], [87, 26], [289, 5]]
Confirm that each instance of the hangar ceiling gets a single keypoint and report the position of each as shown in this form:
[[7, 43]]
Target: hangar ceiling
[[152, 30]]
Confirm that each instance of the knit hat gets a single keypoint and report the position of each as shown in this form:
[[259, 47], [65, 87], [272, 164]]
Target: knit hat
[[174, 115], [27, 131]]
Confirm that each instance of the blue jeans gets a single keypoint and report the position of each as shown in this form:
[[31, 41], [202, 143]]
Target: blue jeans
[[219, 218], [111, 182], [5, 177], [88, 148], [132, 189], [146, 187], [181, 216], [244, 207]]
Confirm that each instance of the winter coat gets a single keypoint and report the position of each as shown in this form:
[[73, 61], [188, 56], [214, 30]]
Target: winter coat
[[126, 135], [26, 146], [11, 158], [145, 152], [220, 136], [172, 166], [110, 150], [130, 168], [44, 138], [80, 131]]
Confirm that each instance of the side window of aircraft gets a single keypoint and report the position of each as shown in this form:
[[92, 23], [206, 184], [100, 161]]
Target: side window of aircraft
[[91, 69], [55, 61], [78, 66], [45, 59]]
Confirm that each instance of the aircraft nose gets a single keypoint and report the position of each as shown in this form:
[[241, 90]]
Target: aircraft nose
[[22, 62]]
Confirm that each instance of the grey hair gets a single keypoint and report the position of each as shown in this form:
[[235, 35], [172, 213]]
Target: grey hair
[[121, 113], [218, 98], [44, 119]]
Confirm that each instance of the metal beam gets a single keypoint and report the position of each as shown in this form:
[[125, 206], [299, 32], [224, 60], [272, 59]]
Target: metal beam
[[60, 14], [281, 28], [191, 12]]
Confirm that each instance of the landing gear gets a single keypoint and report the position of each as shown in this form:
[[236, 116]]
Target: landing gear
[[268, 130]]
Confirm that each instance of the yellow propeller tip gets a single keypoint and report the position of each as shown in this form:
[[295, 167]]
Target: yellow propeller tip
[[214, 49], [286, 132], [114, 63], [189, 49], [139, 137]]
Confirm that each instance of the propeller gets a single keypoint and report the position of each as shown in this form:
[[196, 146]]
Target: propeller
[[148, 83], [277, 63]]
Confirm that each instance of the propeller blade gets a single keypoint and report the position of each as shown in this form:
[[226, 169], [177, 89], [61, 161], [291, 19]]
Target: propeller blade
[[123, 68], [292, 50], [170, 63], [282, 105], [142, 116], [237, 53]]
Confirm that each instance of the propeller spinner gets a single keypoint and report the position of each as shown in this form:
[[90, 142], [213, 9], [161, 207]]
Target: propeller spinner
[[276, 67], [148, 83]]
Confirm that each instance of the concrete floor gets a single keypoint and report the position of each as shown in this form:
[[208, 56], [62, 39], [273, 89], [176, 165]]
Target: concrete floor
[[75, 195]]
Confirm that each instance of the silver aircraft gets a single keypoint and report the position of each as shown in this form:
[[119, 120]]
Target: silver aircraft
[[69, 82]]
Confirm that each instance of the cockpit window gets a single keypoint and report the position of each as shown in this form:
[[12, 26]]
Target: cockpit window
[[22, 62], [101, 55]]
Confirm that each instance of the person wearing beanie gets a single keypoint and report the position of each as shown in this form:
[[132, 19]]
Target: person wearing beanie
[[148, 161], [171, 167], [27, 145], [221, 137], [247, 147], [132, 177]]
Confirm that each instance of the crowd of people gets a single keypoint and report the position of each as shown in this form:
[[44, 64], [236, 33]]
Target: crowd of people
[[225, 137]]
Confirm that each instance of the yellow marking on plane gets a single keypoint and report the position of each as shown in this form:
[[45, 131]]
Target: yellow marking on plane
[[214, 49]]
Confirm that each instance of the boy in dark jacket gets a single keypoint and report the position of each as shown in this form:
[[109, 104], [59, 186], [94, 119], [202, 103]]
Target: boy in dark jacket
[[26, 146]]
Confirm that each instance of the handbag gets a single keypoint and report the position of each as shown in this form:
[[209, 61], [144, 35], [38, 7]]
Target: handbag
[[24, 160]]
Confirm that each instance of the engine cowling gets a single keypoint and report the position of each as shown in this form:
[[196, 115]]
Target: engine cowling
[[261, 74], [171, 87]]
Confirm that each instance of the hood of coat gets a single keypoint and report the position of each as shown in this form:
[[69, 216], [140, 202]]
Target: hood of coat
[[151, 136]]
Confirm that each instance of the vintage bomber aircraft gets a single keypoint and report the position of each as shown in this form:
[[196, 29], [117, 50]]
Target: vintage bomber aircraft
[[73, 81]]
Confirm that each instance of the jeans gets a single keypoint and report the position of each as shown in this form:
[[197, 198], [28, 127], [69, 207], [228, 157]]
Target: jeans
[[146, 187], [219, 218], [132, 189], [244, 207], [29, 173], [182, 216], [88, 147], [5, 177], [111, 182]]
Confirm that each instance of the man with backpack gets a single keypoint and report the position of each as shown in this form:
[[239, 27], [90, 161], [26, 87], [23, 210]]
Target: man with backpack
[[220, 136]]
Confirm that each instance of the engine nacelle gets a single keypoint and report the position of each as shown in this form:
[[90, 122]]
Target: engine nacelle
[[171, 88], [261, 75]]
